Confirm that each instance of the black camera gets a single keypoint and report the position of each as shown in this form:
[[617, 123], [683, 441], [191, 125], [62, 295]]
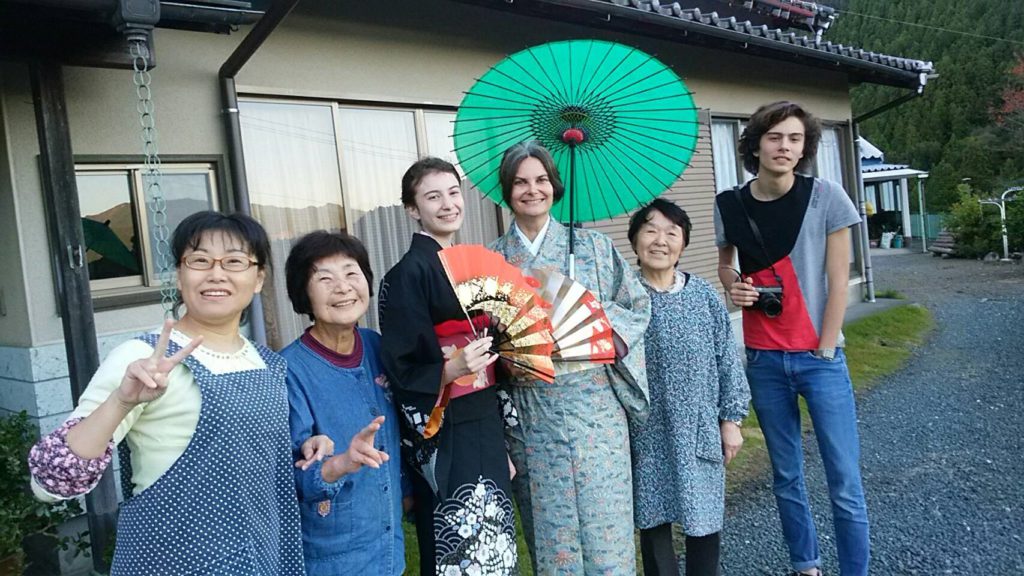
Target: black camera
[[769, 300]]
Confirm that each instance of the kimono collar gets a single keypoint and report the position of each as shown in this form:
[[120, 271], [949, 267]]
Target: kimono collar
[[533, 245], [679, 284], [425, 242]]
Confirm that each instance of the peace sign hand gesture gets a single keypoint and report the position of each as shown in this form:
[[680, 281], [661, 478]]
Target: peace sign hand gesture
[[145, 379]]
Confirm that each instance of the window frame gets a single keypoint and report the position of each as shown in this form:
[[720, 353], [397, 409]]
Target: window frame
[[736, 121], [144, 289]]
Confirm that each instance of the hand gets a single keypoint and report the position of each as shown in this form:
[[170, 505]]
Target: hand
[[475, 357], [407, 504], [511, 468], [315, 449], [742, 292], [145, 379], [361, 452], [732, 440]]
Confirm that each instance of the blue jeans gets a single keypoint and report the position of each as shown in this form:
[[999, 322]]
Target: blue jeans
[[776, 380]]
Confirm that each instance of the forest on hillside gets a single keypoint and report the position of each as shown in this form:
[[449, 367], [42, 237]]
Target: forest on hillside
[[969, 125]]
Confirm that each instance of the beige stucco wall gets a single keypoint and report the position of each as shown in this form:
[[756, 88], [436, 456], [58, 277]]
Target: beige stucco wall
[[386, 52], [369, 51], [103, 120]]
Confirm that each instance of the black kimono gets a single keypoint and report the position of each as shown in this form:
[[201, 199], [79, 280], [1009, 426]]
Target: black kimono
[[464, 517]]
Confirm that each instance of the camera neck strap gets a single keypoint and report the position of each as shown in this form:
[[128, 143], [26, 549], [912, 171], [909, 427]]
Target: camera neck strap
[[738, 193]]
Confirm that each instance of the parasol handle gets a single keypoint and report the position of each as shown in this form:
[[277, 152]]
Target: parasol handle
[[570, 137]]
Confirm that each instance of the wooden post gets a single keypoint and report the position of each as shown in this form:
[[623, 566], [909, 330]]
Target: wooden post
[[67, 245]]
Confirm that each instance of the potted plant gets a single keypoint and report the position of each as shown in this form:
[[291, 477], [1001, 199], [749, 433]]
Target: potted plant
[[21, 515]]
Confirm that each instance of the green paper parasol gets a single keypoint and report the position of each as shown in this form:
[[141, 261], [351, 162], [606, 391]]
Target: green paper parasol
[[620, 125]]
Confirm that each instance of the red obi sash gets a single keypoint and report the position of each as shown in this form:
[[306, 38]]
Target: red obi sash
[[453, 335]]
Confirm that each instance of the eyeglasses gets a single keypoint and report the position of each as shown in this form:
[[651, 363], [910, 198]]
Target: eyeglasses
[[227, 263]]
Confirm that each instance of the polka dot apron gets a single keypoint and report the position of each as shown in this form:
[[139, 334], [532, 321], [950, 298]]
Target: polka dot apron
[[228, 504]]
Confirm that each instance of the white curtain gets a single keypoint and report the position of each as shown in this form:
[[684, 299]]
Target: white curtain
[[315, 166], [830, 157], [291, 163], [723, 150], [377, 146]]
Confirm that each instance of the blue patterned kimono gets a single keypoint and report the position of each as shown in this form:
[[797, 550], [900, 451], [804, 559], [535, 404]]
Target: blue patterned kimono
[[574, 482]]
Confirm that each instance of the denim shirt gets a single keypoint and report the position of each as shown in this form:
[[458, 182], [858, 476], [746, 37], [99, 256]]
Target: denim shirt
[[353, 525]]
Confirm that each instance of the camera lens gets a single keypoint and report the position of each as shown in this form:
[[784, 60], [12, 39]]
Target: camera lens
[[771, 304]]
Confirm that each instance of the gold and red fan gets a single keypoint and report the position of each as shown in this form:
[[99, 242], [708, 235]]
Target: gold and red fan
[[483, 281], [579, 325]]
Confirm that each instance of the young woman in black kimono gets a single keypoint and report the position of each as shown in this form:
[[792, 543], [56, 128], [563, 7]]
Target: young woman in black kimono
[[464, 518]]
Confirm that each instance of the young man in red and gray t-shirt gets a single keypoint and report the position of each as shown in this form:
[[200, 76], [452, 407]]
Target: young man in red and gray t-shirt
[[792, 234]]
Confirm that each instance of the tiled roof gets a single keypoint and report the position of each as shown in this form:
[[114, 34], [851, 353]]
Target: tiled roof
[[691, 25], [799, 13], [674, 10]]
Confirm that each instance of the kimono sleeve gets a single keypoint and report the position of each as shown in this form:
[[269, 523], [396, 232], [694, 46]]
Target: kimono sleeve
[[410, 351], [628, 307], [733, 390]]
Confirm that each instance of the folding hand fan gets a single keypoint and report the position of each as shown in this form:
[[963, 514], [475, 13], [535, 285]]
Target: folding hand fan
[[484, 281], [579, 325]]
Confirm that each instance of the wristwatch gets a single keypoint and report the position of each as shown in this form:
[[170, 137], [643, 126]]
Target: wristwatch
[[738, 423], [825, 353]]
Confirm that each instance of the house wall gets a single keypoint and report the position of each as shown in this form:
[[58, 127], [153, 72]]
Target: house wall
[[352, 51], [379, 53]]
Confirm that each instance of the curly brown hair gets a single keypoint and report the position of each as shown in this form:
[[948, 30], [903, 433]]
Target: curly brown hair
[[769, 115]]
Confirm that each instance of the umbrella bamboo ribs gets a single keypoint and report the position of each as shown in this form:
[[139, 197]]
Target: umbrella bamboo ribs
[[621, 124]]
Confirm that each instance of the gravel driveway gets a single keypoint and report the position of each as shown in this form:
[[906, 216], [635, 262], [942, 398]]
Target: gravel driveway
[[942, 453]]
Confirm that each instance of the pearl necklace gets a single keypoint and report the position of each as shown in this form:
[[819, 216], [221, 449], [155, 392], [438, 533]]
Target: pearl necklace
[[207, 352]]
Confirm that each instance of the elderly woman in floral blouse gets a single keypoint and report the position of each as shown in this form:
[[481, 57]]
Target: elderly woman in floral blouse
[[699, 395]]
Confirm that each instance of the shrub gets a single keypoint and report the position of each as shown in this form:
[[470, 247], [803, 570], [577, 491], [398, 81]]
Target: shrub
[[977, 231], [21, 515]]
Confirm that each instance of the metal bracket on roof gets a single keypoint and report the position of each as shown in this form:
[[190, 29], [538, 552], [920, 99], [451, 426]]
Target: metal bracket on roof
[[136, 18]]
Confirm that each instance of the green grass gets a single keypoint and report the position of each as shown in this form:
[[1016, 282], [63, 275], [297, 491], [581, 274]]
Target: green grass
[[890, 294], [880, 344], [876, 346]]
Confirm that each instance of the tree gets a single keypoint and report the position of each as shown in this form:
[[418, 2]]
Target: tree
[[951, 130]]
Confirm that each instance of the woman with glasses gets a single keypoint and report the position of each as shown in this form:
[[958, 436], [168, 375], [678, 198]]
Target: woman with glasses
[[203, 413], [351, 502]]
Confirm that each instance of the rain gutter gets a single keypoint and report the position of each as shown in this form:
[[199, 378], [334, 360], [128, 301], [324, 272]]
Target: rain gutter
[[865, 245], [229, 100]]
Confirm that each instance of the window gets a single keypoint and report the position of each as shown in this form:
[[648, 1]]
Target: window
[[871, 195], [830, 155], [729, 171], [325, 165], [117, 219]]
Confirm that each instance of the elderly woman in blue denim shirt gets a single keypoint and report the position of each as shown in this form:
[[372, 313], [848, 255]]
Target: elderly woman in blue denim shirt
[[351, 503]]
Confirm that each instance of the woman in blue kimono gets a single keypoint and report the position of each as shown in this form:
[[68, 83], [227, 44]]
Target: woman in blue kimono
[[351, 503], [574, 483]]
